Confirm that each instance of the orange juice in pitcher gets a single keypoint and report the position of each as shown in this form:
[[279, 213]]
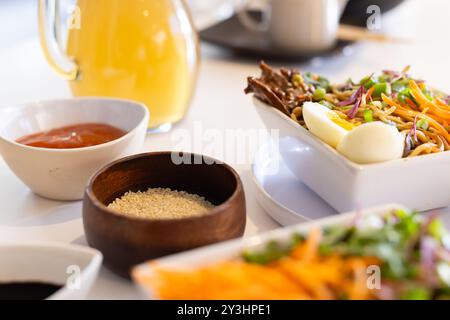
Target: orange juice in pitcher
[[144, 50]]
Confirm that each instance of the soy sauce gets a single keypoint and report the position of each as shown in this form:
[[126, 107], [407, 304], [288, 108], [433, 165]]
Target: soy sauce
[[27, 290]]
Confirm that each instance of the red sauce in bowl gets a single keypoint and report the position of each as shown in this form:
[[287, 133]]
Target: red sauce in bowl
[[74, 136]]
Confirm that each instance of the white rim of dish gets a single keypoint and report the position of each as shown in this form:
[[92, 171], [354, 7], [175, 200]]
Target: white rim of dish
[[348, 163], [96, 257], [91, 148], [266, 194]]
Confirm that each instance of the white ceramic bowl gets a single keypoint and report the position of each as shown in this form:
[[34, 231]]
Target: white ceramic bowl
[[62, 174], [73, 267], [233, 249], [420, 183]]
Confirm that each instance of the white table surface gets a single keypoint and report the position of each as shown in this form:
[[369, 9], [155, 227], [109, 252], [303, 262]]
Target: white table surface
[[219, 104]]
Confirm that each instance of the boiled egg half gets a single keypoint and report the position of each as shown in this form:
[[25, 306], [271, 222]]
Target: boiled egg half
[[362, 143]]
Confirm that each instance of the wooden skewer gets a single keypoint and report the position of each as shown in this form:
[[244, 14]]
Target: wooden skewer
[[354, 33]]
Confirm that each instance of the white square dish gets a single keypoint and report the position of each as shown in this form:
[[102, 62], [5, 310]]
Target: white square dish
[[420, 183]]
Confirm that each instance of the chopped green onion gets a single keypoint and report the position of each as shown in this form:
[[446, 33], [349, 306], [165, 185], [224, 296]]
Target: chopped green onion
[[368, 82], [381, 88], [399, 86], [325, 249], [401, 213], [273, 251], [423, 124], [405, 94], [368, 115], [417, 294], [436, 228], [296, 239], [319, 94], [327, 104], [428, 94], [384, 78]]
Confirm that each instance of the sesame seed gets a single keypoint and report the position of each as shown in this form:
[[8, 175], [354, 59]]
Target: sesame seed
[[161, 203]]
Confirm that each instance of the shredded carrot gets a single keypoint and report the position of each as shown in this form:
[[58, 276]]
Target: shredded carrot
[[442, 104], [369, 93], [411, 103], [439, 112], [424, 103], [403, 112]]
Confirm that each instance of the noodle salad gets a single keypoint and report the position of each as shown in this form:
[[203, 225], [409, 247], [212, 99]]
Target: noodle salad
[[419, 112]]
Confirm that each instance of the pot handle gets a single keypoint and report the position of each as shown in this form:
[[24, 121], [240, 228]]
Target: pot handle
[[342, 6], [50, 38], [249, 22]]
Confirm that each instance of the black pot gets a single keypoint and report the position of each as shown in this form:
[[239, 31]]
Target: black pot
[[356, 11]]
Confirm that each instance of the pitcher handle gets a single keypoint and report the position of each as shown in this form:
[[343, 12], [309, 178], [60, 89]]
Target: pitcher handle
[[50, 38]]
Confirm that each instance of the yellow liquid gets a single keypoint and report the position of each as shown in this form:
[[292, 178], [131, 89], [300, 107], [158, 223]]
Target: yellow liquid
[[144, 50]]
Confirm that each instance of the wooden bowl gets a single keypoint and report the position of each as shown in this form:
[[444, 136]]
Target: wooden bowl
[[126, 241]]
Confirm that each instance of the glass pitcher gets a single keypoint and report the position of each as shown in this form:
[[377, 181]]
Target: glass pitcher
[[144, 50]]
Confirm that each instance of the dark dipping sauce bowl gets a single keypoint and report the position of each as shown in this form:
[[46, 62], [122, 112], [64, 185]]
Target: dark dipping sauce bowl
[[126, 241]]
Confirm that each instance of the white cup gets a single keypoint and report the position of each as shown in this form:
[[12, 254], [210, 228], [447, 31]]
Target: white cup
[[296, 25]]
